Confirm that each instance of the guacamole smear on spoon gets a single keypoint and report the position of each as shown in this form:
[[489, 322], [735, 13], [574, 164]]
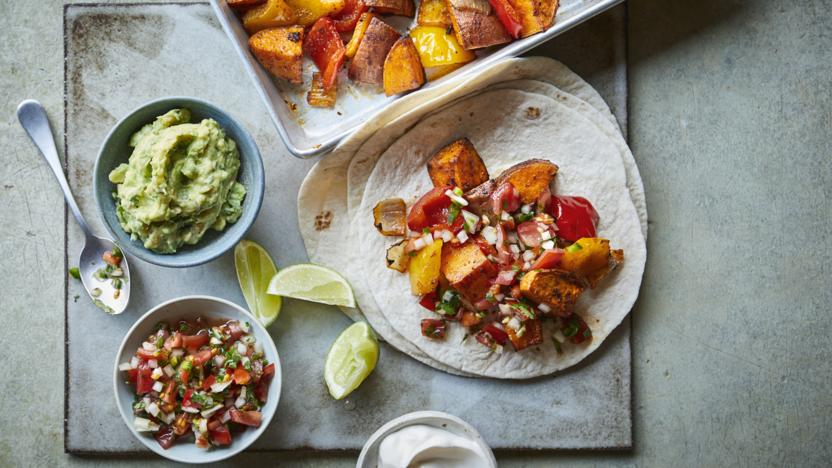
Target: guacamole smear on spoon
[[180, 181]]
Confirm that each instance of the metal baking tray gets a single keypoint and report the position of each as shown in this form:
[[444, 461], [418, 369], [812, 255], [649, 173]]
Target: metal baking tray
[[309, 131]]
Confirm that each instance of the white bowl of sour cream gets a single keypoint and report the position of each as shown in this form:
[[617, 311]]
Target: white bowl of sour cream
[[429, 438]]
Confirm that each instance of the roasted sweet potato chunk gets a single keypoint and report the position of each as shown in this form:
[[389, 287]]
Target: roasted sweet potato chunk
[[558, 289], [280, 51], [393, 7], [433, 13], [402, 68], [475, 29], [468, 270], [457, 164], [272, 14], [368, 64], [529, 334], [530, 178], [591, 259], [546, 10]]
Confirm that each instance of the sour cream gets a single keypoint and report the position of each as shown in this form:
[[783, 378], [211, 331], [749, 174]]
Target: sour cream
[[423, 446]]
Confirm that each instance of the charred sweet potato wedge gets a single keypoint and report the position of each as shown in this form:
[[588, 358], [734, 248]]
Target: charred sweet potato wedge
[[243, 4], [393, 7], [530, 334], [593, 260], [272, 14], [467, 270], [546, 11], [558, 289], [367, 65], [535, 15], [530, 178], [280, 51], [475, 29], [402, 68], [457, 164], [433, 13]]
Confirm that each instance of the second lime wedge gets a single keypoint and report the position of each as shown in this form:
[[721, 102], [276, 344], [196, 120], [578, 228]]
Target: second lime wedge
[[255, 269], [350, 360], [312, 283]]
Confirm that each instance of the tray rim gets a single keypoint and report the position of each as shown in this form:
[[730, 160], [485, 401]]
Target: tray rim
[[327, 143]]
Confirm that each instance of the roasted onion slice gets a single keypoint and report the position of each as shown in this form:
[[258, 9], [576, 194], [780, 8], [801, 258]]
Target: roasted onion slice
[[390, 217]]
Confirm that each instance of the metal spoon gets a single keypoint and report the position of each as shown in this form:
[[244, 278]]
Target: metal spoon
[[33, 118]]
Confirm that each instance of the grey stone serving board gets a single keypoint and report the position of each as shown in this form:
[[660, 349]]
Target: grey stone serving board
[[120, 56]]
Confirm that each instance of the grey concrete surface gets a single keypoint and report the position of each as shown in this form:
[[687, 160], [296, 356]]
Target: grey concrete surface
[[730, 121]]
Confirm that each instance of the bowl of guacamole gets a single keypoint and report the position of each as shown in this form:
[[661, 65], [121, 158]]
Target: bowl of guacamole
[[178, 182]]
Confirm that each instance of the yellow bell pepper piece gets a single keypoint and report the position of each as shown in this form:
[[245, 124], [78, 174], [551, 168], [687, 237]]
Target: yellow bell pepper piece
[[308, 11], [358, 33], [272, 14], [437, 47], [424, 269]]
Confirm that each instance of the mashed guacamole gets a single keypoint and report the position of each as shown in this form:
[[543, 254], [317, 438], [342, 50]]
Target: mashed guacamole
[[180, 181]]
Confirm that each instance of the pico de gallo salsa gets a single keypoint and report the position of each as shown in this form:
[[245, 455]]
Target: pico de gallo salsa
[[501, 255], [197, 378]]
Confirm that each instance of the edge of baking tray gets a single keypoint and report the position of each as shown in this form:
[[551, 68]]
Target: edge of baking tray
[[511, 50]]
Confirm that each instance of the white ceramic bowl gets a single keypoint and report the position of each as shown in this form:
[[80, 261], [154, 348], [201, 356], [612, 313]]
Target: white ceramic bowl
[[190, 307], [369, 454]]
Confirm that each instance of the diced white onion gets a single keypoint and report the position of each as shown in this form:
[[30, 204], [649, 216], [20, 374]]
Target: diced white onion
[[504, 308], [485, 220], [245, 361], [241, 400], [499, 297], [548, 245], [134, 362], [158, 386], [178, 352], [169, 370], [156, 374], [220, 386], [514, 323], [190, 409], [462, 236], [419, 244], [505, 216], [168, 417], [527, 266], [148, 346], [248, 339], [544, 307], [152, 363], [489, 233], [512, 237], [514, 249], [203, 425], [447, 236], [210, 411], [528, 255], [219, 360], [241, 348], [245, 326], [258, 347], [153, 409], [225, 417], [498, 349], [526, 209], [215, 341], [456, 198], [428, 237], [546, 235], [124, 366], [447, 296], [145, 425], [558, 335]]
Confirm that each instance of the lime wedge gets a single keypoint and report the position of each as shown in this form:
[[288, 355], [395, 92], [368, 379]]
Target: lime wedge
[[312, 283], [254, 270], [350, 360]]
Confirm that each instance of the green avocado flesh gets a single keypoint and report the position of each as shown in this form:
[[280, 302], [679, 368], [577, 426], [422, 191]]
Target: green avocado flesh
[[180, 181]]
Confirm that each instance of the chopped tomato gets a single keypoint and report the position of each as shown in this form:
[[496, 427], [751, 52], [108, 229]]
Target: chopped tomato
[[549, 259], [261, 391], [195, 341], [132, 374], [529, 233], [184, 374], [268, 373], [146, 355], [544, 201], [506, 197], [429, 301], [433, 328], [325, 47], [499, 335], [169, 393], [505, 277], [201, 357], [469, 319], [241, 376], [220, 435], [182, 424], [165, 437], [486, 248], [246, 418], [346, 19], [508, 16], [173, 341], [186, 399], [235, 331], [431, 209], [144, 383], [583, 332], [575, 217], [210, 380]]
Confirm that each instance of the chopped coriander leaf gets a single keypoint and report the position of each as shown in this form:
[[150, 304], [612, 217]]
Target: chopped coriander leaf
[[75, 272], [570, 330]]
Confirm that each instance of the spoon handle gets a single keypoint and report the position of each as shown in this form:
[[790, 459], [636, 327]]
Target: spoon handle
[[33, 118]]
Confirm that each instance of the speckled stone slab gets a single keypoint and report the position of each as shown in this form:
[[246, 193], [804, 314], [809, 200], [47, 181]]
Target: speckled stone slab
[[118, 57]]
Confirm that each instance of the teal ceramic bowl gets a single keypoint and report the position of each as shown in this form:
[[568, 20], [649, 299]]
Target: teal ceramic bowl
[[116, 150]]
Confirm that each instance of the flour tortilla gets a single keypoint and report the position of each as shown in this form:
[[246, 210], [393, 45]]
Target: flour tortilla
[[591, 166], [325, 188]]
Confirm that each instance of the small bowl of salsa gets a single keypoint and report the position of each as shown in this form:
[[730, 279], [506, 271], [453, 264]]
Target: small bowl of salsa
[[197, 379]]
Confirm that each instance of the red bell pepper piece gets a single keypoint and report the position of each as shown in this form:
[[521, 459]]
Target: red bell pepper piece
[[429, 301], [575, 217], [346, 19], [499, 335], [325, 47], [508, 16]]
